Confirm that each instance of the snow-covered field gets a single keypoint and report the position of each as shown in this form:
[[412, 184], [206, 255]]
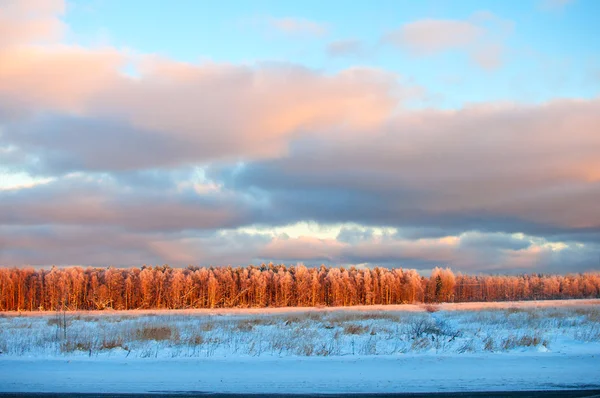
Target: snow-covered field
[[450, 347]]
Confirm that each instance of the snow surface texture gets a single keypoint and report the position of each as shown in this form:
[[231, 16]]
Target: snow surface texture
[[451, 347]]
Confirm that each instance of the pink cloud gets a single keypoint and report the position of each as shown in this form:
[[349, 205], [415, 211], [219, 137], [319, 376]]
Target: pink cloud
[[56, 78], [30, 21], [304, 248], [224, 111], [430, 36], [481, 36], [488, 57]]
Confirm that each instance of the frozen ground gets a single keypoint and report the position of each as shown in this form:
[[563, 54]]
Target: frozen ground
[[472, 347]]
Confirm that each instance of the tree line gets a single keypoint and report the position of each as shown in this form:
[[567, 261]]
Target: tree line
[[163, 287]]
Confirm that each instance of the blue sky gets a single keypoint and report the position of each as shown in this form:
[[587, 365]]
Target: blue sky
[[394, 133]]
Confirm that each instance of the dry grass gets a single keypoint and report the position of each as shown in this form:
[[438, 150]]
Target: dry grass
[[58, 321], [514, 310], [307, 350], [112, 343], [489, 344], [23, 326], [156, 333], [247, 325], [348, 316], [353, 328], [71, 346], [195, 340], [420, 344], [207, 326], [303, 317], [591, 334], [468, 346], [308, 333], [513, 342], [592, 314]]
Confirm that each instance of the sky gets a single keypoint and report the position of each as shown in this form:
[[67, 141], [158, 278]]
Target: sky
[[391, 133]]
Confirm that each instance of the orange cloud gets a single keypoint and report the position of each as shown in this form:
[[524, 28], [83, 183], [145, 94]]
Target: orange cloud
[[30, 21], [58, 78], [225, 111]]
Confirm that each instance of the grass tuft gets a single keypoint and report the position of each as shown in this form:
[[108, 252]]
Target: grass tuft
[[157, 333], [354, 328]]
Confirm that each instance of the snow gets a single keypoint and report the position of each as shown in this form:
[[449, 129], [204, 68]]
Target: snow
[[299, 375], [468, 347]]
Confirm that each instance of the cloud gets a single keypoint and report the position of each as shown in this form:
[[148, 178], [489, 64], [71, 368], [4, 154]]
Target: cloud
[[30, 21], [307, 249], [208, 163], [55, 78], [37, 71], [429, 36], [106, 220], [19, 180], [481, 36], [109, 245], [499, 253], [103, 202], [63, 144], [71, 108], [298, 26], [498, 168], [346, 48], [177, 113], [483, 241], [488, 57]]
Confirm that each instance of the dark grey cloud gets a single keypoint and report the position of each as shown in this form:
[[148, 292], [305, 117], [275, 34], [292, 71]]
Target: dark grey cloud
[[333, 197], [354, 235], [63, 144], [495, 169], [74, 245], [483, 241], [110, 245], [82, 200]]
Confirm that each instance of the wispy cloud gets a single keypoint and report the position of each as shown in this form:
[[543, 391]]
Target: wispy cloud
[[346, 48], [429, 36], [481, 37], [298, 26]]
